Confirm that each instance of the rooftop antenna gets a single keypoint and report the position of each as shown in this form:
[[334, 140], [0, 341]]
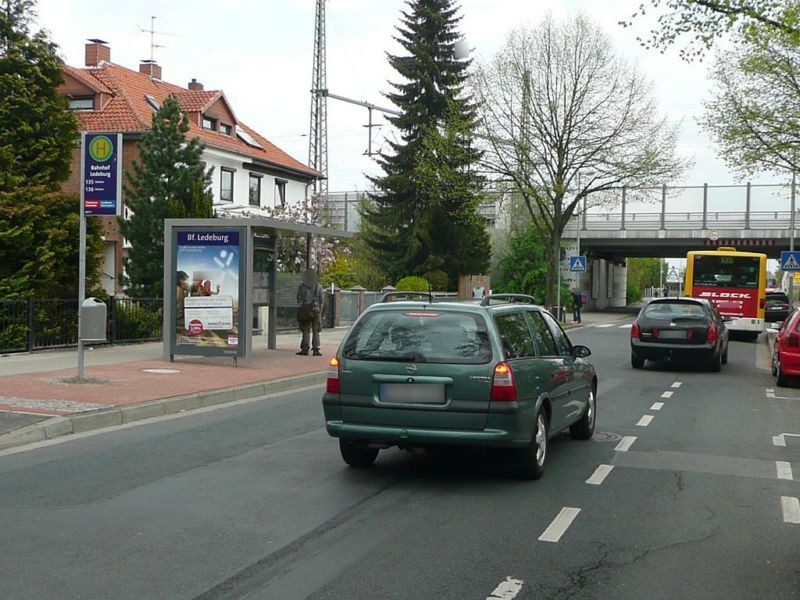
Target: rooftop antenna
[[151, 62]]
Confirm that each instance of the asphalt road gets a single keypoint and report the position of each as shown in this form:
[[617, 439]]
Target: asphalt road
[[252, 501]]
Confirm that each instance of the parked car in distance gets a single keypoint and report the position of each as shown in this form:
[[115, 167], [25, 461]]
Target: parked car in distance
[[786, 352], [501, 373], [679, 328], [777, 306]]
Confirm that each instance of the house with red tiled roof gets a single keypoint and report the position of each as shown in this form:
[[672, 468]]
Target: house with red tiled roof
[[250, 173]]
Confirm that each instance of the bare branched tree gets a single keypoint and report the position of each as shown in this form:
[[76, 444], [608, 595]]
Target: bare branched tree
[[563, 119]]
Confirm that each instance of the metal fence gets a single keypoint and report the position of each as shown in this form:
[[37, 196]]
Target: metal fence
[[27, 325]]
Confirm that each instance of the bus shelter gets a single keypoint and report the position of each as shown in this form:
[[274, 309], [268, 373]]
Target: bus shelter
[[217, 274]]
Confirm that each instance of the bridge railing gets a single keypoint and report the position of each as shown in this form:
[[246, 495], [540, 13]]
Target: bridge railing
[[612, 221]]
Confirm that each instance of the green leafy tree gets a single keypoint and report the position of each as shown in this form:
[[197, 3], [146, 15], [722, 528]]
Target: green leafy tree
[[168, 181], [757, 89], [413, 283], [423, 217], [38, 222], [643, 273], [699, 23]]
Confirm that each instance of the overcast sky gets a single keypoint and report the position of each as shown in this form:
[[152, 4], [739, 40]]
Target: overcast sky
[[260, 51]]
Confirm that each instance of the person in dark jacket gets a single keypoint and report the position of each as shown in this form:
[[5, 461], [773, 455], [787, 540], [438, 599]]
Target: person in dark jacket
[[310, 302], [577, 304]]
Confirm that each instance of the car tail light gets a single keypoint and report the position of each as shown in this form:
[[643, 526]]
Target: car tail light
[[713, 333], [761, 303], [504, 389], [635, 330], [793, 340], [333, 386]]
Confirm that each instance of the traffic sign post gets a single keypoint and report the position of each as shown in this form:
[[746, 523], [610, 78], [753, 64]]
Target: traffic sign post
[[101, 195], [577, 264]]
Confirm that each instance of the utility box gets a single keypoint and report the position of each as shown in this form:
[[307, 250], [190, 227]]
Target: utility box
[[93, 320]]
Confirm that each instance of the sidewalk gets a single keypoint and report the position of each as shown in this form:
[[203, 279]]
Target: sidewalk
[[135, 380]]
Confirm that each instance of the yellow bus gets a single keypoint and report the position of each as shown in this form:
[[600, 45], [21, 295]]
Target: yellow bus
[[734, 281]]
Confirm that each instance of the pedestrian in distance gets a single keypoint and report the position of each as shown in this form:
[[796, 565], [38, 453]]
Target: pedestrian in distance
[[182, 291], [310, 302], [577, 304], [666, 291]]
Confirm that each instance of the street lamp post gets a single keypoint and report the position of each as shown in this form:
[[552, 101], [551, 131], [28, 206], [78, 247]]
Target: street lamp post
[[791, 231]]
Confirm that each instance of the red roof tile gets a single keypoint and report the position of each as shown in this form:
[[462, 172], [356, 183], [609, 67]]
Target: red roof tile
[[128, 111]]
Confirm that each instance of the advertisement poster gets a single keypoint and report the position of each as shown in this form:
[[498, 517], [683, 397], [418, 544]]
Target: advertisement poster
[[207, 292]]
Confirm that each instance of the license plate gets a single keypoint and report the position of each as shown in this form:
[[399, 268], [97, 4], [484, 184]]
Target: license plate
[[673, 335], [412, 393]]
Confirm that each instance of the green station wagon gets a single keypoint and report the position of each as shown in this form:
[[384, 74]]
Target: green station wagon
[[420, 373]]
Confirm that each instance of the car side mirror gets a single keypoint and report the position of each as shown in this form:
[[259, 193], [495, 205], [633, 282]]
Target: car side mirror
[[581, 351]]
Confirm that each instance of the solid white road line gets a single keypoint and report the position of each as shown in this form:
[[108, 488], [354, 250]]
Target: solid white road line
[[645, 420], [657, 406], [625, 443], [600, 474], [604, 325], [677, 384], [784, 469], [507, 590], [779, 440], [791, 509], [559, 525], [667, 394]]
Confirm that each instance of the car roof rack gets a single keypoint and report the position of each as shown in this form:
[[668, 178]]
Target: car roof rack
[[389, 296], [508, 299]]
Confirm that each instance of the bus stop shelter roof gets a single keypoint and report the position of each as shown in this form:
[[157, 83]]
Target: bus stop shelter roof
[[264, 225]]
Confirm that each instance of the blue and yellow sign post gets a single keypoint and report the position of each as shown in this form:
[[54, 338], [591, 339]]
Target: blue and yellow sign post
[[101, 196]]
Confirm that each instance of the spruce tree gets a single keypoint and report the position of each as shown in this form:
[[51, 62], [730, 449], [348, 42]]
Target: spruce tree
[[38, 222], [424, 215], [168, 181]]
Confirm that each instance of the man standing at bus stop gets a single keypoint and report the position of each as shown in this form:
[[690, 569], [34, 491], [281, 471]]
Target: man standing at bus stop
[[310, 302]]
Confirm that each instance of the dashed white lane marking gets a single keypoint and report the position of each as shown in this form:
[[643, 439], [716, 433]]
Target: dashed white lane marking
[[645, 420], [677, 384], [625, 443], [628, 326], [657, 406], [779, 440], [600, 474], [667, 394], [604, 325], [559, 525], [784, 469], [507, 589], [791, 509], [770, 393]]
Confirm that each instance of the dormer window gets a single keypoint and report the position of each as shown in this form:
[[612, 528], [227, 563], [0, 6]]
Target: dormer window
[[152, 102], [226, 129], [81, 103], [209, 123]]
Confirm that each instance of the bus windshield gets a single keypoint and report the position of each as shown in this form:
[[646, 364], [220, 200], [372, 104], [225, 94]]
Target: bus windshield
[[726, 271]]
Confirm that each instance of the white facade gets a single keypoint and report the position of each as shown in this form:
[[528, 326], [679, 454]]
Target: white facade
[[221, 161]]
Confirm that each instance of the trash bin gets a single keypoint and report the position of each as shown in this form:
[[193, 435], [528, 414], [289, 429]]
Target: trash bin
[[93, 320]]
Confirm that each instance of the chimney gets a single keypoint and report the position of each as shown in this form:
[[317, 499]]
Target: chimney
[[195, 85], [150, 68], [97, 51]]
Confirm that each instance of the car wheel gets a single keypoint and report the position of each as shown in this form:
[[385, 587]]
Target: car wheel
[[781, 379], [584, 428], [774, 365], [715, 366], [725, 355], [357, 455], [531, 460], [637, 362]]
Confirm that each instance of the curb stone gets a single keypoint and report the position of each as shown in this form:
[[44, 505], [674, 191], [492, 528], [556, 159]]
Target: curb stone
[[111, 417]]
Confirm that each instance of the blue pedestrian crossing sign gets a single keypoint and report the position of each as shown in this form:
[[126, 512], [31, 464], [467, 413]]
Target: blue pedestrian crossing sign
[[790, 261], [577, 264]]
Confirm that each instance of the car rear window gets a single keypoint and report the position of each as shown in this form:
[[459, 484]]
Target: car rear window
[[672, 310], [420, 335], [777, 299]]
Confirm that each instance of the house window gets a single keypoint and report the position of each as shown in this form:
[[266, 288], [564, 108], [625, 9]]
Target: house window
[[255, 190], [81, 103], [226, 184], [209, 124], [226, 129], [152, 102], [280, 193]]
